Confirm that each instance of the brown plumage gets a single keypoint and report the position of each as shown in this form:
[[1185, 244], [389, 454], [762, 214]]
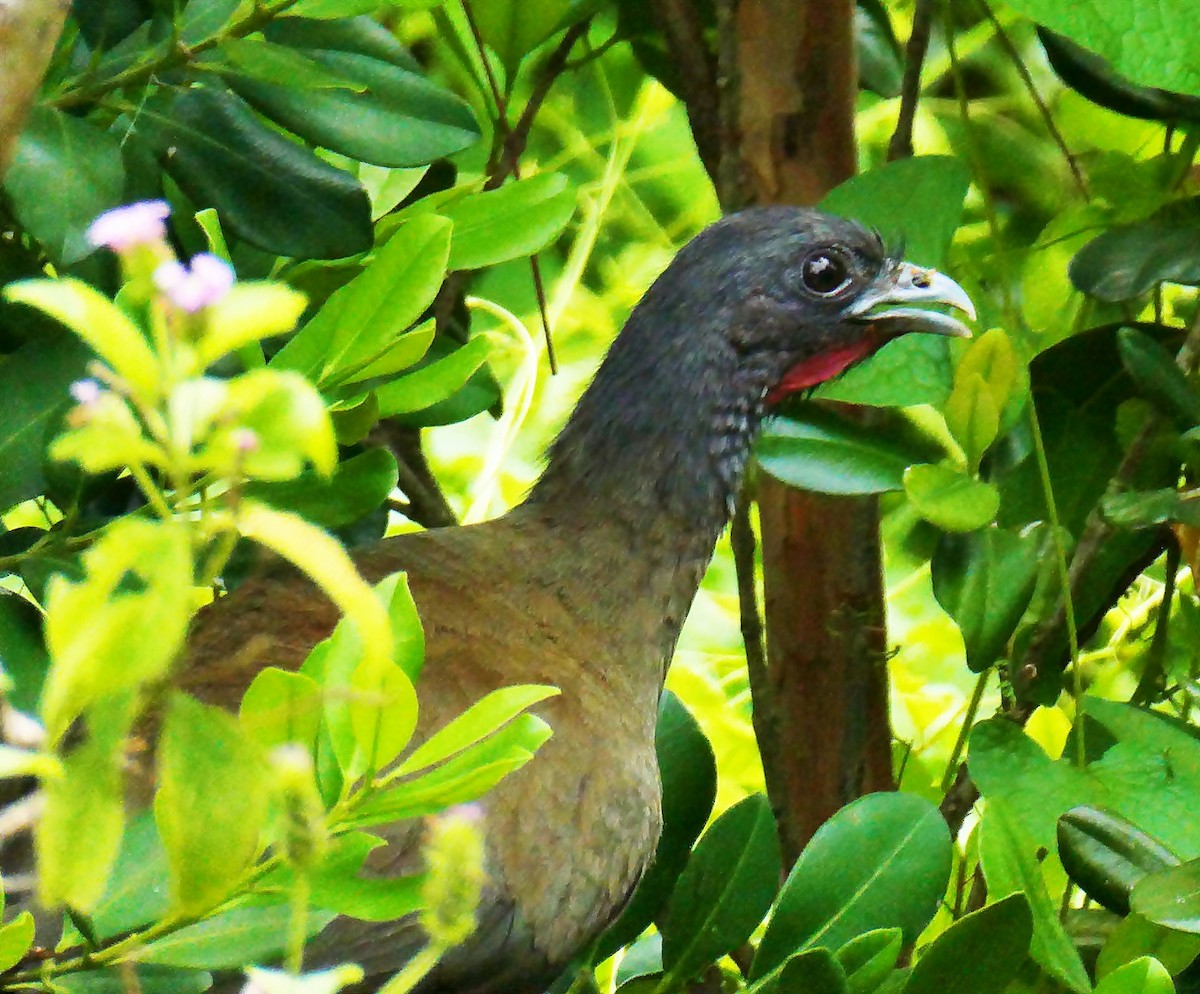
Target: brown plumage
[[586, 584]]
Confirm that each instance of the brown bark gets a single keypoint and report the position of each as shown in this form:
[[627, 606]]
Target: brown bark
[[826, 689], [29, 30]]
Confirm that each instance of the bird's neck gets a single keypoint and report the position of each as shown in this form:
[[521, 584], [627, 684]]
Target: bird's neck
[[645, 474]]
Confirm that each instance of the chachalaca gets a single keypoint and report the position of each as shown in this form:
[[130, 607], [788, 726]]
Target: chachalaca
[[586, 584]]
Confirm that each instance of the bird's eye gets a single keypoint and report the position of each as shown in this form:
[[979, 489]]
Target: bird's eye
[[824, 273]]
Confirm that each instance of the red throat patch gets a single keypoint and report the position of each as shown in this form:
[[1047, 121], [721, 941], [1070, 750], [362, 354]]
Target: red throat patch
[[818, 369]]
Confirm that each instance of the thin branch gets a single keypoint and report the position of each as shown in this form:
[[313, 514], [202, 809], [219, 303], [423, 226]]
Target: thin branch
[[1047, 118], [679, 21], [426, 505], [901, 145]]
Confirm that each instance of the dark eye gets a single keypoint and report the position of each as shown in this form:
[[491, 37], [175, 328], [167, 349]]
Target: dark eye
[[824, 273]]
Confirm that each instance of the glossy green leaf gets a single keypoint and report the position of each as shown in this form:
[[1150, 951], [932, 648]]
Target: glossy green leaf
[[202, 19], [105, 328], [436, 382], [724, 891], [1142, 43], [23, 657], [950, 499], [264, 62], [290, 425], [869, 959], [65, 171], [269, 191], [912, 369], [514, 28], [211, 803], [817, 450], [362, 321], [1107, 855], [400, 119], [150, 980], [281, 707], [688, 773], [1010, 867], [407, 350], [231, 938], [985, 580], [138, 890], [481, 719], [337, 886], [813, 971], [1128, 261], [357, 487], [881, 862], [95, 628], [1157, 376], [514, 221], [981, 952], [1135, 937], [383, 711], [1171, 897], [1143, 976]]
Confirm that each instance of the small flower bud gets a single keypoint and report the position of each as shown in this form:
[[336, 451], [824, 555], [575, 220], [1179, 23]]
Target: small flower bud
[[454, 858], [124, 228], [85, 392], [245, 440], [304, 834]]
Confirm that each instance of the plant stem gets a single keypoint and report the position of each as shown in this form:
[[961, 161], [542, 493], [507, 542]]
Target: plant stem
[[964, 732]]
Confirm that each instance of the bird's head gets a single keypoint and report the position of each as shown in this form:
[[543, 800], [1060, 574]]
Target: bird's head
[[803, 295]]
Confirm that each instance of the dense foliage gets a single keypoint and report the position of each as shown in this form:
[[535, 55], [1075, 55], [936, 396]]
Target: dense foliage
[[378, 180]]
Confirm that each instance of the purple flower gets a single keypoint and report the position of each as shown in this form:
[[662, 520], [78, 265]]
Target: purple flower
[[85, 392], [197, 286], [126, 227]]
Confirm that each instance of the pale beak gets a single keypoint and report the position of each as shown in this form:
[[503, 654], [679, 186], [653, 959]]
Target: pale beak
[[905, 285]]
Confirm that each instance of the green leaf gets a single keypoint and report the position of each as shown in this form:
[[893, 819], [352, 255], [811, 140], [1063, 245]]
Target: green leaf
[[150, 980], [1157, 377], [139, 574], [23, 657], [248, 313], [231, 939], [869, 959], [1142, 43], [357, 487], [16, 937], [100, 323], [1107, 855], [138, 890], [33, 382], [280, 707], [912, 369], [336, 885], [881, 862], [980, 953], [816, 450], [1134, 937], [973, 416], [688, 773], [949, 499], [86, 797], [211, 804], [383, 711], [985, 580], [265, 62], [480, 720], [1171, 897], [290, 424], [813, 971], [514, 28], [1147, 509], [270, 191], [512, 222], [1007, 856], [1128, 261], [361, 322], [407, 350], [400, 119], [436, 382], [724, 891], [65, 171], [1143, 976]]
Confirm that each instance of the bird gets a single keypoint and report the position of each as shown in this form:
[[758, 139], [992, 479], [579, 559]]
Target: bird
[[586, 583]]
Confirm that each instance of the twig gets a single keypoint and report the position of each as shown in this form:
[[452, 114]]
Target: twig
[[901, 146], [1047, 118], [1154, 678], [427, 505]]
